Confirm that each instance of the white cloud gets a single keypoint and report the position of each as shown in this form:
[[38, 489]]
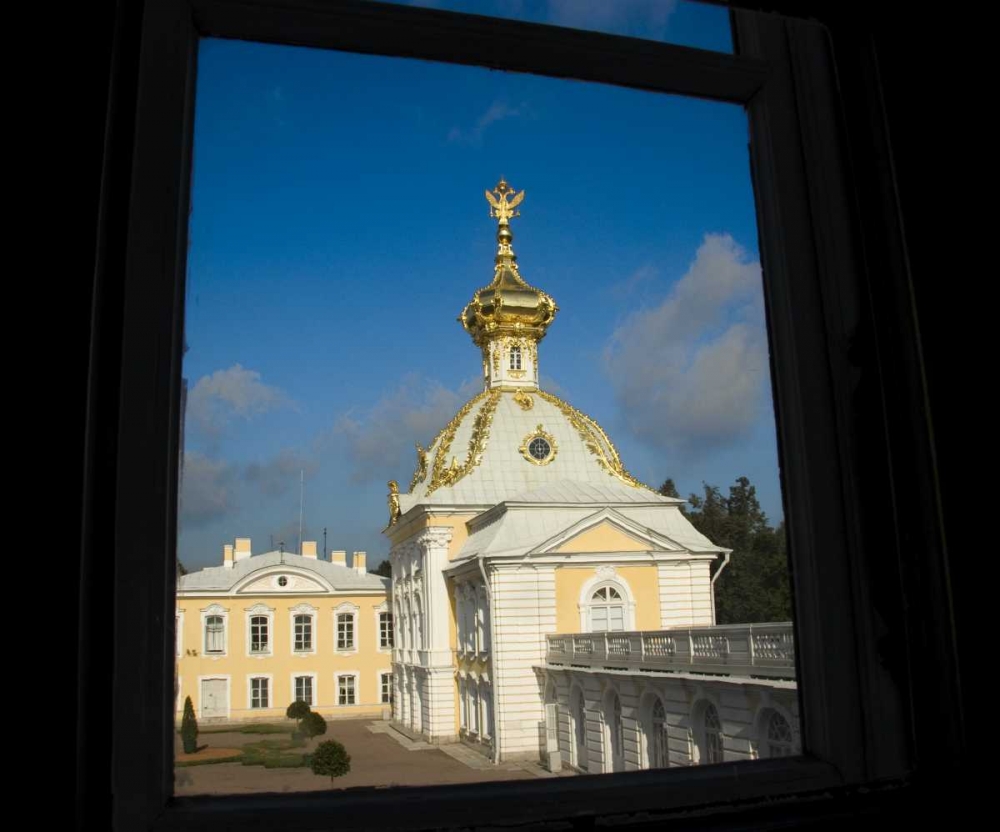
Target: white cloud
[[380, 440], [279, 474], [644, 274], [235, 392], [497, 111], [691, 373], [206, 489], [637, 18]]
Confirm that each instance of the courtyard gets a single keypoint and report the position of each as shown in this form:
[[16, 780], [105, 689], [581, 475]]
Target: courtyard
[[380, 756]]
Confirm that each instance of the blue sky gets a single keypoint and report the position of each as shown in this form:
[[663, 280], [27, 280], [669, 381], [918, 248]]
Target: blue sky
[[338, 227]]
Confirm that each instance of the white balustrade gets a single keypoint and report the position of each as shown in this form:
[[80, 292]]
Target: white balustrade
[[732, 649]]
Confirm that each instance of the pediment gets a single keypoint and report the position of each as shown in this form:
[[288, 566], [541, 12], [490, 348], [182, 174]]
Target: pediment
[[607, 531], [281, 582], [604, 537]]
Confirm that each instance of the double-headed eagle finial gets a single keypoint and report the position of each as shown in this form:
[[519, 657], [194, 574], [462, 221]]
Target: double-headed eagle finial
[[503, 202]]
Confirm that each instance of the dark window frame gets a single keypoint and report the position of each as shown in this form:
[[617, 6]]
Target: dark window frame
[[861, 717]]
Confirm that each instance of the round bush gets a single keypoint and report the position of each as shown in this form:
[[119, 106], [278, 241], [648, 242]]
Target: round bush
[[312, 725], [297, 710], [330, 759]]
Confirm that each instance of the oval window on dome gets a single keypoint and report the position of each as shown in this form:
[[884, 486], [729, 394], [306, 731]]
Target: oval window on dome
[[539, 447]]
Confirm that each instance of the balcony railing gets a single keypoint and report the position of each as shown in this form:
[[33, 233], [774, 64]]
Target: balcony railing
[[731, 649]]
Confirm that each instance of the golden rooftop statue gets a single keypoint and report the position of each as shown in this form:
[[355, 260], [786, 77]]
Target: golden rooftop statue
[[501, 208], [508, 306]]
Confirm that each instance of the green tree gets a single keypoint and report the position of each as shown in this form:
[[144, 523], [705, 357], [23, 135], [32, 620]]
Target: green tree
[[298, 711], [189, 728], [754, 586], [384, 569], [312, 725], [330, 759]]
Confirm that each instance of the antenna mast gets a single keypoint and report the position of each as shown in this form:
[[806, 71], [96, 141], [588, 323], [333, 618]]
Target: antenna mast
[[302, 481]]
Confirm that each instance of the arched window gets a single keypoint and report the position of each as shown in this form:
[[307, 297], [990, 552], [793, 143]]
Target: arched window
[[515, 357], [616, 735], [579, 717], [711, 745], [607, 610], [657, 750], [777, 739]]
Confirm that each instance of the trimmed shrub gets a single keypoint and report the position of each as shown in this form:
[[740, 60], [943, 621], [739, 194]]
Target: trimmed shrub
[[298, 710], [189, 728], [330, 759], [312, 725]]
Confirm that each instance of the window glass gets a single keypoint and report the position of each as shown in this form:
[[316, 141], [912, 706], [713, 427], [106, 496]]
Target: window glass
[[672, 21], [357, 208]]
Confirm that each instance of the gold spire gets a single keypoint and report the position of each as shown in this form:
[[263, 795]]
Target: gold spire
[[508, 312]]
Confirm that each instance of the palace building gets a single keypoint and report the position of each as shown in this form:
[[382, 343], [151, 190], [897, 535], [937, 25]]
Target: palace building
[[548, 605], [261, 631]]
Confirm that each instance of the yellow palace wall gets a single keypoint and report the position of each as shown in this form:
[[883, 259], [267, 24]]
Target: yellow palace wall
[[643, 581], [367, 662]]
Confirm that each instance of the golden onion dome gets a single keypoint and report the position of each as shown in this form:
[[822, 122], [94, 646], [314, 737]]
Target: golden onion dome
[[508, 306]]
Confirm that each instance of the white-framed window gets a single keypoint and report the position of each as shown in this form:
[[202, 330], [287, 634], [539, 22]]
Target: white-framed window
[[607, 610], [345, 628], [179, 632], [385, 687], [657, 745], [302, 633], [578, 718], [347, 689], [214, 624], [418, 623], [260, 630], [480, 624], [515, 357], [260, 692], [473, 706], [615, 760], [709, 745], [777, 740], [384, 630], [304, 688], [259, 634], [486, 703]]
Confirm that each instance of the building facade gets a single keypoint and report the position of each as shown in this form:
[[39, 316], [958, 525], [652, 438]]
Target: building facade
[[522, 526], [261, 631]]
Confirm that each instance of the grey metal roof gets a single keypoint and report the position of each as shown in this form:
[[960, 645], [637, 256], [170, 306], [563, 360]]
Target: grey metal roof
[[604, 493], [222, 579], [512, 528]]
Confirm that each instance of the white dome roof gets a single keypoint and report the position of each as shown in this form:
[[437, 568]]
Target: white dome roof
[[477, 459]]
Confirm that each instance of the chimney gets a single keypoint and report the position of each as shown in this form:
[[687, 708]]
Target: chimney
[[227, 556], [242, 549], [338, 557], [359, 562], [309, 549]]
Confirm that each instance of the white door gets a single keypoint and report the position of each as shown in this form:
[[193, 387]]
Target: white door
[[214, 698]]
